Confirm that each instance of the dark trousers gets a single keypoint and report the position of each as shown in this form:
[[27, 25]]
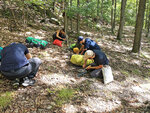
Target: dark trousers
[[29, 70], [96, 73]]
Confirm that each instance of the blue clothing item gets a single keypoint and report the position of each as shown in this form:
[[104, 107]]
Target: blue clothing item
[[100, 58], [80, 38], [29, 70], [91, 45], [0, 52], [13, 57]]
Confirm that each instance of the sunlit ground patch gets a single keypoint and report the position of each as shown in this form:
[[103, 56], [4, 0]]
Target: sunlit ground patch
[[99, 105], [56, 79], [67, 108]]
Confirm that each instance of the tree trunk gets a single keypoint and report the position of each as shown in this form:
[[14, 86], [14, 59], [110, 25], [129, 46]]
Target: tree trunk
[[71, 18], [148, 26], [112, 16], [102, 9], [65, 17], [137, 4], [78, 18], [98, 8], [123, 5], [138, 27], [147, 14], [114, 21], [53, 6]]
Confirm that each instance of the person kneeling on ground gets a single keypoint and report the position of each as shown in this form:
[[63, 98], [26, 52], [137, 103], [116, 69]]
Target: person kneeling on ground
[[18, 64], [87, 44], [100, 60], [60, 35]]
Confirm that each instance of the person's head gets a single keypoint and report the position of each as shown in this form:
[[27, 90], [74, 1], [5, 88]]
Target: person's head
[[89, 54], [62, 30], [76, 50], [80, 39]]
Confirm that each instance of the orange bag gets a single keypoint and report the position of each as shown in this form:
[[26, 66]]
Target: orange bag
[[57, 42]]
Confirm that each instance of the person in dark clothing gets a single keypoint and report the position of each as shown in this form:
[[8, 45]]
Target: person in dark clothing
[[87, 44], [17, 63], [100, 60], [60, 35]]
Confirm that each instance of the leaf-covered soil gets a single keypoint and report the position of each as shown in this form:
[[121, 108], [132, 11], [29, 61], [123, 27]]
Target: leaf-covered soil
[[129, 92]]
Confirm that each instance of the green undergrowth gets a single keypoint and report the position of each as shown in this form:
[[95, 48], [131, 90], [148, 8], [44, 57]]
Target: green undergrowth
[[125, 73], [5, 99], [136, 71], [62, 96]]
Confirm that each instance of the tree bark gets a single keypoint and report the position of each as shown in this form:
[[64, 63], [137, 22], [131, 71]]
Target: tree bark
[[123, 5], [112, 16], [138, 27], [114, 21], [148, 26], [71, 18], [53, 6], [102, 9], [147, 14], [98, 8], [78, 18], [137, 4]]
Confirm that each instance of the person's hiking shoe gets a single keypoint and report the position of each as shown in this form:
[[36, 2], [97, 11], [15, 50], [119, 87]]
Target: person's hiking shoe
[[28, 82], [16, 82]]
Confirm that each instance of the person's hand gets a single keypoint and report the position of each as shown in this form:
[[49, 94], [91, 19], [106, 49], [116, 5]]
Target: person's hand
[[64, 39], [84, 65], [89, 67]]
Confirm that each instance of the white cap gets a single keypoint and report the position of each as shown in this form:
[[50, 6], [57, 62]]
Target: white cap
[[88, 54]]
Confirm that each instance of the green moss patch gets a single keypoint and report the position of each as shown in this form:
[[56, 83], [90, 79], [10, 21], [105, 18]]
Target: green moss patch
[[5, 99]]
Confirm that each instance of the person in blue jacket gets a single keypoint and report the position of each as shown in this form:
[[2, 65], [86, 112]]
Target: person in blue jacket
[[17, 63], [100, 60], [87, 44]]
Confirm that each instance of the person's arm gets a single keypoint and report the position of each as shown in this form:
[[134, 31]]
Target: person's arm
[[81, 48], [83, 51], [28, 56], [94, 67], [84, 64], [57, 34]]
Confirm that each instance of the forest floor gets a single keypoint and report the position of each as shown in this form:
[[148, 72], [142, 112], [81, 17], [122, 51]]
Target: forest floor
[[58, 89]]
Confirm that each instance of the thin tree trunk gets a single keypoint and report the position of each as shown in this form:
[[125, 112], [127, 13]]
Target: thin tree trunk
[[98, 8], [102, 9], [114, 21], [147, 14], [78, 18], [71, 17], [139, 27], [123, 5], [137, 4], [148, 25], [53, 6], [112, 16], [66, 20]]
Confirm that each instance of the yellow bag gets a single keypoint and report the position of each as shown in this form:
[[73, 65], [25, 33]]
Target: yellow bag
[[78, 60]]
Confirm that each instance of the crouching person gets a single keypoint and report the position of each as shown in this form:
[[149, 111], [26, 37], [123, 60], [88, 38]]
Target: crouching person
[[100, 60], [18, 64]]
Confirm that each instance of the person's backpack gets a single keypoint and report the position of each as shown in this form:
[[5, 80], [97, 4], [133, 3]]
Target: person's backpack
[[0, 52], [36, 42], [57, 42], [78, 60]]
